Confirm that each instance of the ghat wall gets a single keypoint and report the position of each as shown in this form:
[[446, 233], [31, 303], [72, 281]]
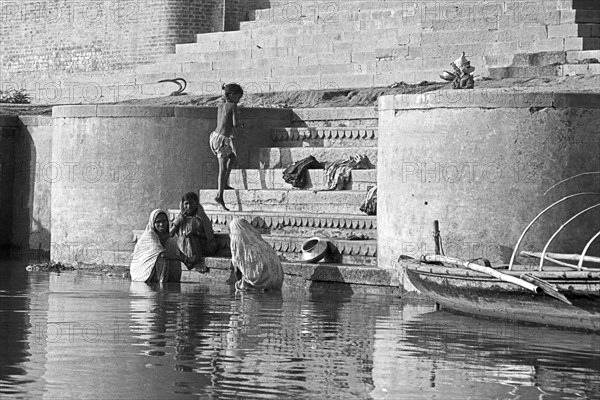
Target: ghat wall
[[26, 173], [120, 162], [67, 52], [482, 163], [8, 129], [69, 44]]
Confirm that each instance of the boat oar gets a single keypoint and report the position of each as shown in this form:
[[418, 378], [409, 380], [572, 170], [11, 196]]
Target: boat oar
[[485, 270], [536, 285], [547, 287]]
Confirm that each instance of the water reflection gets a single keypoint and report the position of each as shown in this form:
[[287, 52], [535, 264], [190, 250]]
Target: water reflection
[[22, 330], [84, 336], [494, 359]]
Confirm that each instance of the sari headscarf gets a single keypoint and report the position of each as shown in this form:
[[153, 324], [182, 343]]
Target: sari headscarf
[[202, 224], [254, 257], [146, 251]]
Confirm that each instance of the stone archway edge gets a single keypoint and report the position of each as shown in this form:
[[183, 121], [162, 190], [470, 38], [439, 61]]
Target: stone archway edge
[[489, 98]]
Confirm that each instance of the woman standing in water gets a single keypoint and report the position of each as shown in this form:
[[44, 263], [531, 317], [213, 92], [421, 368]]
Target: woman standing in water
[[156, 257]]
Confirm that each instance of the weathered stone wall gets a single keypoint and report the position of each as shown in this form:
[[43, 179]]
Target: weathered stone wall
[[8, 134], [34, 174], [63, 49], [118, 163], [481, 162], [26, 173], [99, 35]]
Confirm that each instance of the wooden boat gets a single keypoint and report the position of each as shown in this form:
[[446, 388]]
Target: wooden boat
[[479, 294], [564, 295]]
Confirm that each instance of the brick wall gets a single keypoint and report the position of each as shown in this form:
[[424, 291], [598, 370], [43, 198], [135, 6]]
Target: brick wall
[[66, 37], [100, 35]]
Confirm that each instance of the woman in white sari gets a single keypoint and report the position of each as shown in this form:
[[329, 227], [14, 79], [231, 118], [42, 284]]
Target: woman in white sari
[[156, 257]]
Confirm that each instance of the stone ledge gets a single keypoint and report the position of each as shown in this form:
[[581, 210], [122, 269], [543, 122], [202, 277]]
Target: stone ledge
[[333, 113], [36, 120], [84, 111], [321, 272], [291, 244], [120, 111], [489, 98], [132, 111]]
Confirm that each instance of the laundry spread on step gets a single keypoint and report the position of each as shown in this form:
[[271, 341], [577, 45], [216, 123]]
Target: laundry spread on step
[[337, 173]]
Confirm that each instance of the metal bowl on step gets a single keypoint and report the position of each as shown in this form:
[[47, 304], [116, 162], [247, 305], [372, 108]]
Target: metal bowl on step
[[314, 250]]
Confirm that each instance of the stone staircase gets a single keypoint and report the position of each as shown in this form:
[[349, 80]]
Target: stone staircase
[[288, 216], [552, 63], [354, 43]]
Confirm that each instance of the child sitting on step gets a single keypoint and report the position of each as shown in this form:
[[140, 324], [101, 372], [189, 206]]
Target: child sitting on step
[[221, 140], [195, 236]]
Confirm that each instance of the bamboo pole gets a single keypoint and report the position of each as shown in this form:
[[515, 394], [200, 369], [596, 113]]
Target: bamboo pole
[[585, 249], [549, 258], [563, 256], [560, 229], [514, 253]]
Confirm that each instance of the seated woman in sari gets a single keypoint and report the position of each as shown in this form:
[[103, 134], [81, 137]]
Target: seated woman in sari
[[156, 257], [193, 231]]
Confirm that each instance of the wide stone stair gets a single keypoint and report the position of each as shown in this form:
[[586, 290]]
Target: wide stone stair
[[354, 43], [288, 216]]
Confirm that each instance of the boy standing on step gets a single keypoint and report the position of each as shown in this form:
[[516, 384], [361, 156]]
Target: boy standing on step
[[221, 140]]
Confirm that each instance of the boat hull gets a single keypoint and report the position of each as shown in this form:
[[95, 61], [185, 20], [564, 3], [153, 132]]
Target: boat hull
[[478, 294]]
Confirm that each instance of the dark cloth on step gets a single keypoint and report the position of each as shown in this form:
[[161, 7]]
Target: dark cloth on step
[[295, 173]]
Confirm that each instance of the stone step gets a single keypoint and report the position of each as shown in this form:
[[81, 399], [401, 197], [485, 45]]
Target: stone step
[[523, 72], [540, 59], [368, 275], [292, 201], [338, 136], [574, 57], [574, 30], [289, 248], [411, 12], [344, 226], [579, 69], [272, 222], [281, 157], [548, 70], [253, 179], [335, 117]]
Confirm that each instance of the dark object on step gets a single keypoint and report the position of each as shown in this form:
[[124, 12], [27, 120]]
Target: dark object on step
[[369, 205], [178, 82], [588, 61], [295, 173]]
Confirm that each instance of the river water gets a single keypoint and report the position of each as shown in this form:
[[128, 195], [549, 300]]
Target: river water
[[85, 336]]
